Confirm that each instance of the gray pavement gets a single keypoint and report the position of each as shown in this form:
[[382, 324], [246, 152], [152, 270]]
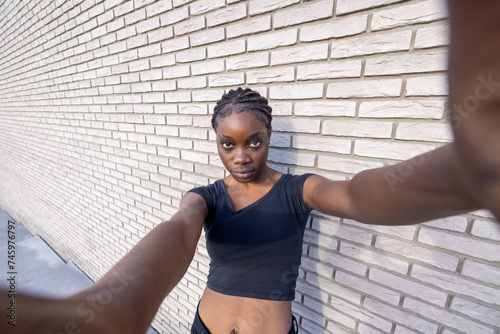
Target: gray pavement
[[34, 267]]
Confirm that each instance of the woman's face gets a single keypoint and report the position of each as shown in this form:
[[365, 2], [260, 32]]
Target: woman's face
[[243, 145]]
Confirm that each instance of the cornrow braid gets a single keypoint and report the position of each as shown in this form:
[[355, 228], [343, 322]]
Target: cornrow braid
[[249, 100]]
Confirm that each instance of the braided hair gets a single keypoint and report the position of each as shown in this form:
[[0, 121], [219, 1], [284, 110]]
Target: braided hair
[[248, 100]]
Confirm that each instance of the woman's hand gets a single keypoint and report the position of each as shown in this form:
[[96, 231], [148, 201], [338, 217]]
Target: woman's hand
[[474, 80]]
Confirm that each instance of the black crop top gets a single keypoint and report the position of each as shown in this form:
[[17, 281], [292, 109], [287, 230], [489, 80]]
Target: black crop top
[[256, 251]]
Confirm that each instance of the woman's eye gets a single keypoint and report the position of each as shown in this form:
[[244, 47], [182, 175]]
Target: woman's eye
[[255, 143], [226, 145]]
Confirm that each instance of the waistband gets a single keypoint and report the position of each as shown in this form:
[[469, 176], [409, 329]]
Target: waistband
[[199, 327]]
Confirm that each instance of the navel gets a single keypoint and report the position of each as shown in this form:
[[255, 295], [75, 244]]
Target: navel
[[234, 331]]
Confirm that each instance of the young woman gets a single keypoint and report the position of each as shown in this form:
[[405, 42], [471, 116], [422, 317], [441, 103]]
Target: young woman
[[254, 218]]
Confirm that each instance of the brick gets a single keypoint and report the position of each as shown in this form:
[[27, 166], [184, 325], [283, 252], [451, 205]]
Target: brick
[[125, 33], [408, 319], [188, 26], [486, 229], [193, 133], [364, 328], [289, 157], [325, 108], [150, 75], [124, 8], [299, 54], [206, 95], [427, 86], [194, 156], [282, 74], [338, 261], [342, 231], [178, 3], [204, 6], [175, 44], [330, 313], [178, 96], [296, 125], [371, 44], [349, 6], [226, 49], [359, 313], [413, 62], [357, 128], [451, 320], [322, 144], [281, 108], [364, 88], [158, 8], [272, 40], [163, 60], [336, 28], [308, 264], [208, 66], [163, 85], [345, 164], [482, 272], [178, 71], [252, 60], [226, 15], [173, 16], [149, 51], [458, 243], [179, 120], [476, 311], [191, 55], [417, 252], [375, 258], [280, 140], [186, 144], [367, 287], [435, 132], [263, 6], [402, 109], [305, 91], [329, 70], [192, 83], [312, 11], [408, 14], [134, 17], [411, 288], [192, 108], [230, 79], [249, 26], [389, 149], [433, 36], [453, 223]]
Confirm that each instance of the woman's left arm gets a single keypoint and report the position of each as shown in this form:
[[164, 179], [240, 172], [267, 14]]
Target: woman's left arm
[[424, 188]]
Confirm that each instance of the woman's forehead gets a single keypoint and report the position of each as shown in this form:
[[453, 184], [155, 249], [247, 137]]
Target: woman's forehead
[[243, 123]]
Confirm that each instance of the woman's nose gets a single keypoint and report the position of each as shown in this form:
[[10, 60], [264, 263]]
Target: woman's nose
[[241, 157]]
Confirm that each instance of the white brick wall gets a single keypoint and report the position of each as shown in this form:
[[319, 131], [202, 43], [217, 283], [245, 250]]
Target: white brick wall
[[105, 123]]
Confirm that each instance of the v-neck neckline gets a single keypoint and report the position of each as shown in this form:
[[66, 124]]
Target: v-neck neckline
[[230, 205]]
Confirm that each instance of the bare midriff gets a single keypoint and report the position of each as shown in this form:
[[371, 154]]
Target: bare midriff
[[224, 314]]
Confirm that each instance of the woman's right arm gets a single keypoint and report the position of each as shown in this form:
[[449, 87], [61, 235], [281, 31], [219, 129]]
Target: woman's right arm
[[127, 297]]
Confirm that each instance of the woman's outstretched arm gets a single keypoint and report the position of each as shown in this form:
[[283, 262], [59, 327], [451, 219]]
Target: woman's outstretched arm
[[127, 297], [426, 187]]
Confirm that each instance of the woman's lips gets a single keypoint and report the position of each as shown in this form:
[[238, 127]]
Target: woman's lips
[[243, 174]]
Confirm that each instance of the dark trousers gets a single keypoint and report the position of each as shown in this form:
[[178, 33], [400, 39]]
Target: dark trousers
[[200, 328]]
